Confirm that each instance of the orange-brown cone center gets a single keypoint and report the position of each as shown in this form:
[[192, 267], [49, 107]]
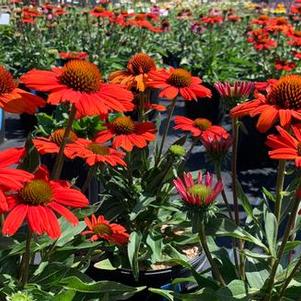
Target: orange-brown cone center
[[141, 63], [58, 136], [98, 9], [81, 76], [202, 123], [287, 93], [123, 125], [36, 192], [102, 229], [99, 149], [7, 83], [180, 78]]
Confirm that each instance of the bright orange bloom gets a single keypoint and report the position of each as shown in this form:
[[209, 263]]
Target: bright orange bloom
[[285, 65], [177, 82], [94, 153], [286, 146], [80, 82], [11, 179], [136, 74], [127, 134], [15, 100], [196, 127], [100, 12], [37, 203], [52, 144], [100, 228], [74, 55], [281, 103]]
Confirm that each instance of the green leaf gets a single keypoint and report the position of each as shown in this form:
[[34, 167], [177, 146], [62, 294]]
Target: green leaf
[[66, 295], [133, 252], [105, 265], [225, 227], [245, 202], [271, 230], [102, 287], [168, 295], [69, 232], [291, 245]]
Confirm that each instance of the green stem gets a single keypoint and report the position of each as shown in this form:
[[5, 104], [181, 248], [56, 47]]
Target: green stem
[[59, 162], [219, 177], [215, 271], [280, 252], [279, 189], [169, 116], [235, 133], [289, 278], [234, 168], [24, 267]]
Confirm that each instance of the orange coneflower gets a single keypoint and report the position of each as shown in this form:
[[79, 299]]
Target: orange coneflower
[[93, 152], [37, 203], [80, 82], [52, 144], [286, 146], [282, 102], [127, 134], [196, 127], [11, 179], [100, 228], [15, 100], [177, 82], [136, 74]]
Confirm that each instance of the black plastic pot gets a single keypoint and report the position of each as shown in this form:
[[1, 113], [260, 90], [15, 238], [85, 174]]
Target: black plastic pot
[[155, 279], [208, 108], [252, 150]]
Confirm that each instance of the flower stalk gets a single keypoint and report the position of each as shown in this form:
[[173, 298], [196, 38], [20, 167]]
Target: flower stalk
[[215, 271], [24, 266], [169, 116], [59, 162], [279, 189]]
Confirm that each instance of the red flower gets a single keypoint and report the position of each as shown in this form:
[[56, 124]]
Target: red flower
[[261, 20], [177, 82], [201, 193], [15, 100], [196, 127], [127, 134], [286, 146], [37, 203], [51, 145], [11, 179], [74, 55], [217, 142], [100, 228], [282, 102], [261, 39], [80, 83], [212, 20], [285, 65], [94, 153], [100, 12]]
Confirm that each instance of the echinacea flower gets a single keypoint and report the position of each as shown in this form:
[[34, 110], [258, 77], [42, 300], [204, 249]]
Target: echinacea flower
[[73, 55], [80, 83], [15, 100], [127, 134], [196, 127], [100, 228], [52, 144], [136, 74], [177, 82], [94, 153], [234, 93], [198, 193], [282, 103], [286, 146], [11, 178], [38, 201], [100, 12], [216, 143], [285, 65]]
